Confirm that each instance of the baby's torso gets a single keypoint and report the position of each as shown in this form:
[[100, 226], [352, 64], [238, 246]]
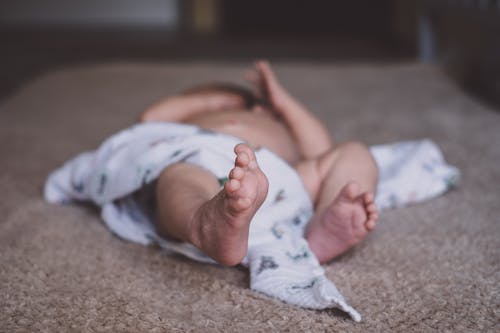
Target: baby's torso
[[258, 129]]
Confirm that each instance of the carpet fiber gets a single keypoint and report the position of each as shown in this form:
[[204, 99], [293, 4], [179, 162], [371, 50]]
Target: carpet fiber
[[434, 266]]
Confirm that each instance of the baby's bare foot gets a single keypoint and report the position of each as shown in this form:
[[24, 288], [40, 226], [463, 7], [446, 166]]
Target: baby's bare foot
[[220, 226], [343, 224]]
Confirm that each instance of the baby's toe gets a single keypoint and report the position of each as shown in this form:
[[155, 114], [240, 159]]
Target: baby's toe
[[371, 208], [244, 148], [370, 224], [237, 173], [368, 198], [242, 159], [231, 186]]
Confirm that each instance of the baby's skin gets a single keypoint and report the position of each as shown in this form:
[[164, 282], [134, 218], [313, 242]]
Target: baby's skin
[[340, 178], [221, 224]]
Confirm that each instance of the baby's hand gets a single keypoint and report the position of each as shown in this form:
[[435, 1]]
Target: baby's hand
[[268, 87]]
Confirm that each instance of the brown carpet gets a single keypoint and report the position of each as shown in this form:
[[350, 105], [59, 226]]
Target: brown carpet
[[434, 266]]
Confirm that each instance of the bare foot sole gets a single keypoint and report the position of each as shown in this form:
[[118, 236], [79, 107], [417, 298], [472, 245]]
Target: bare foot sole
[[220, 226], [343, 224]]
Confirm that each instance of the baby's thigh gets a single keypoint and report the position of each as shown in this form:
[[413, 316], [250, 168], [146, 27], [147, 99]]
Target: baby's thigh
[[313, 171], [185, 180], [309, 173]]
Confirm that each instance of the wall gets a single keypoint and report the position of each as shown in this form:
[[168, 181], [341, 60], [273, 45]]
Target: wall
[[91, 13]]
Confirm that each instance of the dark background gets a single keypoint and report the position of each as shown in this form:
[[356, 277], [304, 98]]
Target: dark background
[[463, 37]]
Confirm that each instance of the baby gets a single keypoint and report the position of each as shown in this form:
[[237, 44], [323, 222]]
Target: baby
[[192, 207]]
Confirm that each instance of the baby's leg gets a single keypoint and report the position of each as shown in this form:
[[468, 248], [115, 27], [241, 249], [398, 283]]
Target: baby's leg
[[342, 184], [193, 208]]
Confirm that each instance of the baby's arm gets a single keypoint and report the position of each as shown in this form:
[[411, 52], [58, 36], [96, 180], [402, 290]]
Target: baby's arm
[[181, 107], [309, 133]]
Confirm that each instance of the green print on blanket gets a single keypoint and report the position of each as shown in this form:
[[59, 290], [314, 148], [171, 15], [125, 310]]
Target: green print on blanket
[[222, 181], [297, 288]]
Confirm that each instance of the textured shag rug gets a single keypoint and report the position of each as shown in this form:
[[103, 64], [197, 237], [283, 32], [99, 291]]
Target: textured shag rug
[[434, 266]]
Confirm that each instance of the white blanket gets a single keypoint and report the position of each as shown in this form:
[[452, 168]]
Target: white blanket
[[120, 176]]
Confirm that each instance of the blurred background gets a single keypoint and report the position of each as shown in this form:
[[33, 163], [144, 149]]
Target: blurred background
[[462, 36]]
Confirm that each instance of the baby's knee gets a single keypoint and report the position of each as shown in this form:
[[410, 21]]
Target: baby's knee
[[354, 147], [360, 152]]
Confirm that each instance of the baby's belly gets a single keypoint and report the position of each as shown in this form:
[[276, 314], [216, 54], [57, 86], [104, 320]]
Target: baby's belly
[[258, 130]]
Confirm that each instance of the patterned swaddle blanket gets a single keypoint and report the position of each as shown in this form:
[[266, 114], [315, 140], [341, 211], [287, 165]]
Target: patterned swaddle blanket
[[280, 262]]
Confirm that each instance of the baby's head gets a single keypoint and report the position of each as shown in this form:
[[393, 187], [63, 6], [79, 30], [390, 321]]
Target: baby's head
[[224, 95]]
